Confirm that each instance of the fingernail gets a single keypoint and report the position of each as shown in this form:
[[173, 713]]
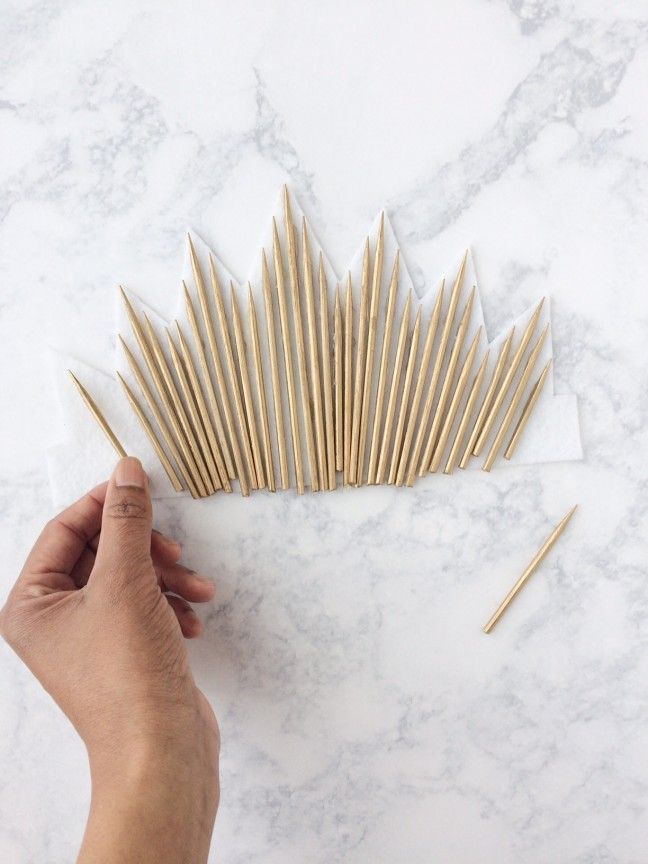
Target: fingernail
[[201, 578], [129, 472], [166, 539]]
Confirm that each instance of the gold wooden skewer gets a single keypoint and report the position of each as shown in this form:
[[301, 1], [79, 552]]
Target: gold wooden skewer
[[261, 394], [515, 401], [150, 432], [194, 415], [219, 302], [178, 407], [288, 359], [295, 292], [99, 417], [218, 368], [420, 385], [277, 398], [457, 396], [506, 383], [361, 352], [488, 398], [407, 385], [203, 411], [247, 387], [348, 379], [338, 338], [313, 355], [436, 372], [467, 414], [382, 373], [401, 344], [159, 419], [527, 411], [539, 557], [197, 484], [327, 375], [374, 308]]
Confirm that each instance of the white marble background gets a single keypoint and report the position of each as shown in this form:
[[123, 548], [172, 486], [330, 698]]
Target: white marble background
[[365, 717]]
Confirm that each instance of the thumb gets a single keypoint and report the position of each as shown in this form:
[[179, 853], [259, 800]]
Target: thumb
[[127, 520]]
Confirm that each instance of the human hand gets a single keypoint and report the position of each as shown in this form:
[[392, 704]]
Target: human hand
[[92, 617]]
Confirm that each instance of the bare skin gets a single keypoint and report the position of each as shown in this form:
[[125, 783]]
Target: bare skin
[[98, 614]]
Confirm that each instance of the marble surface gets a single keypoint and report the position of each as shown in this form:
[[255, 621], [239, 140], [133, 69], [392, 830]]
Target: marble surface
[[365, 717]]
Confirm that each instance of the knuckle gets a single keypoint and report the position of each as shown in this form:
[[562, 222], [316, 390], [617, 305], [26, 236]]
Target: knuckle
[[127, 506]]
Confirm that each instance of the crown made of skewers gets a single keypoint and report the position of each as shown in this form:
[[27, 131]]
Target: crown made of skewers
[[310, 389]]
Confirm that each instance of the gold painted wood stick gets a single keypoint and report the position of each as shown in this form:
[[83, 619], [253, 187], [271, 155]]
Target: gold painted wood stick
[[502, 360], [455, 401], [382, 372], [506, 383], [339, 378], [261, 393], [539, 557], [527, 411], [446, 387], [295, 291], [277, 398], [374, 309], [203, 411], [348, 379], [289, 366], [515, 401], [411, 426], [361, 353], [194, 415], [167, 435], [401, 345], [197, 484], [218, 369], [313, 357], [467, 414], [248, 401], [226, 340], [327, 375], [150, 432], [176, 402], [436, 373], [407, 386], [98, 416]]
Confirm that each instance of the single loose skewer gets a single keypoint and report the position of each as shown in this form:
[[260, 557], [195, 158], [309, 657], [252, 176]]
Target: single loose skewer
[[361, 352], [407, 385], [467, 414], [169, 440], [515, 401], [261, 394], [327, 376], [313, 356], [433, 325], [374, 307], [99, 417], [382, 371], [539, 557], [150, 432], [488, 398], [289, 365], [197, 484], [508, 379], [339, 377], [218, 368], [277, 398], [194, 414], [401, 344], [527, 411], [247, 388], [348, 378], [295, 292], [457, 396]]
